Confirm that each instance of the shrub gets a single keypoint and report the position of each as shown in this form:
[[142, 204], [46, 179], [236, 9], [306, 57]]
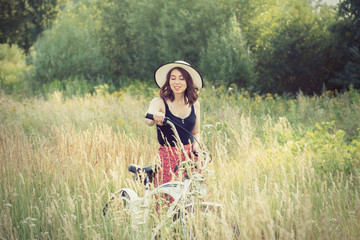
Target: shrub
[[330, 150], [294, 49], [226, 58], [150, 33], [70, 48], [70, 87], [12, 66]]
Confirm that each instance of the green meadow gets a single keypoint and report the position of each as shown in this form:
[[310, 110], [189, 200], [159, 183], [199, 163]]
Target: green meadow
[[284, 167]]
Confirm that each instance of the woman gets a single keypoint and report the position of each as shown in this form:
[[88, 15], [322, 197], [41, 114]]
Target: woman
[[179, 84]]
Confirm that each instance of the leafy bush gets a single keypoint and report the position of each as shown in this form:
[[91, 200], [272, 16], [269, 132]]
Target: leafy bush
[[70, 48], [22, 21], [12, 66], [330, 152], [351, 71], [295, 52], [73, 86], [273, 46], [226, 58], [346, 31], [151, 33]]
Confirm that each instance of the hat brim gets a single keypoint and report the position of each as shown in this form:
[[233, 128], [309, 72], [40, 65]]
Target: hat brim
[[161, 73]]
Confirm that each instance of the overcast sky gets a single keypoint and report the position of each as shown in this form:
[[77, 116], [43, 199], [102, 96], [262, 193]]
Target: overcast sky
[[333, 2]]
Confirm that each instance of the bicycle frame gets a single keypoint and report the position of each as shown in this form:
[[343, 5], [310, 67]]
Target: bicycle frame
[[184, 193]]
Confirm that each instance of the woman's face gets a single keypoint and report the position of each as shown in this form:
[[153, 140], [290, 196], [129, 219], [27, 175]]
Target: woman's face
[[177, 82]]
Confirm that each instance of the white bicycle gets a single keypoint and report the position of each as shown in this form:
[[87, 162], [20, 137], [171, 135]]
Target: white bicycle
[[188, 196]]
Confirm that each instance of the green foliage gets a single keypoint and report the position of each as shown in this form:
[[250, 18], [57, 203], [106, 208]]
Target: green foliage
[[150, 33], [294, 52], [350, 11], [244, 11], [330, 150], [70, 48], [273, 46], [22, 21], [226, 59], [350, 74], [347, 31], [71, 87], [12, 67], [116, 40]]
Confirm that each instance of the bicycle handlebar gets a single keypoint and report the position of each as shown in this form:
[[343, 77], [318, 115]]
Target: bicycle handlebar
[[166, 121], [151, 117]]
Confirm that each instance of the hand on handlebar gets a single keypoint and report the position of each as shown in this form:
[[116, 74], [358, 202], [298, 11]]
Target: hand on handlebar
[[159, 118], [196, 148]]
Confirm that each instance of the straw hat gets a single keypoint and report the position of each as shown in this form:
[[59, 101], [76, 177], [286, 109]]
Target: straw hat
[[162, 71]]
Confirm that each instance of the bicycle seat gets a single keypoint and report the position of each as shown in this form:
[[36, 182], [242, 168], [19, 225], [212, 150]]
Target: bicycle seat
[[149, 170], [137, 169]]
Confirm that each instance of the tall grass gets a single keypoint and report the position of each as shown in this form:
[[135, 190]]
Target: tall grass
[[284, 168]]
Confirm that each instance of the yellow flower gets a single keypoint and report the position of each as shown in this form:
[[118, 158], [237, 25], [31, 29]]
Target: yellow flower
[[13, 109], [269, 96]]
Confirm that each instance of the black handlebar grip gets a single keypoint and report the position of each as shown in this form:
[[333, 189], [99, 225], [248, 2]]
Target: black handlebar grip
[[149, 116]]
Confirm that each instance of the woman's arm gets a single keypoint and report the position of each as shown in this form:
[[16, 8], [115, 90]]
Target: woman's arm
[[157, 109], [196, 130]]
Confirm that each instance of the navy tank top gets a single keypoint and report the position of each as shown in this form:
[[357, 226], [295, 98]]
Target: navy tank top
[[166, 135]]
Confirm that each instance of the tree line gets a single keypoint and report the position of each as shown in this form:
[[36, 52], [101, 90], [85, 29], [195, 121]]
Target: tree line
[[277, 46]]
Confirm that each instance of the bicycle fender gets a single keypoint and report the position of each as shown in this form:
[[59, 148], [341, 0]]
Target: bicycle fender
[[127, 191]]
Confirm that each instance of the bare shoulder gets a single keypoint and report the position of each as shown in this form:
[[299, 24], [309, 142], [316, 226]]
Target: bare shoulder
[[157, 104], [157, 101]]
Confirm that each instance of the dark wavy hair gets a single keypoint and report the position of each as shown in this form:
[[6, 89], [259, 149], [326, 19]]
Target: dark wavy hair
[[191, 92]]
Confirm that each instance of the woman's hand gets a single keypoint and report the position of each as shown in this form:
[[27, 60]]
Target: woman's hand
[[159, 118], [157, 109], [196, 147]]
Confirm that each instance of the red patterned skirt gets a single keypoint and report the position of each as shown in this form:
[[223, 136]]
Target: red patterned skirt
[[169, 158]]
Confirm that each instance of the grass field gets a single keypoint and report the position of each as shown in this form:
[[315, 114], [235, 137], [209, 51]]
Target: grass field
[[285, 168]]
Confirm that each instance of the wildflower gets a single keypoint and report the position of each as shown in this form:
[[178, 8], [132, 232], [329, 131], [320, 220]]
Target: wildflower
[[13, 109], [269, 96]]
